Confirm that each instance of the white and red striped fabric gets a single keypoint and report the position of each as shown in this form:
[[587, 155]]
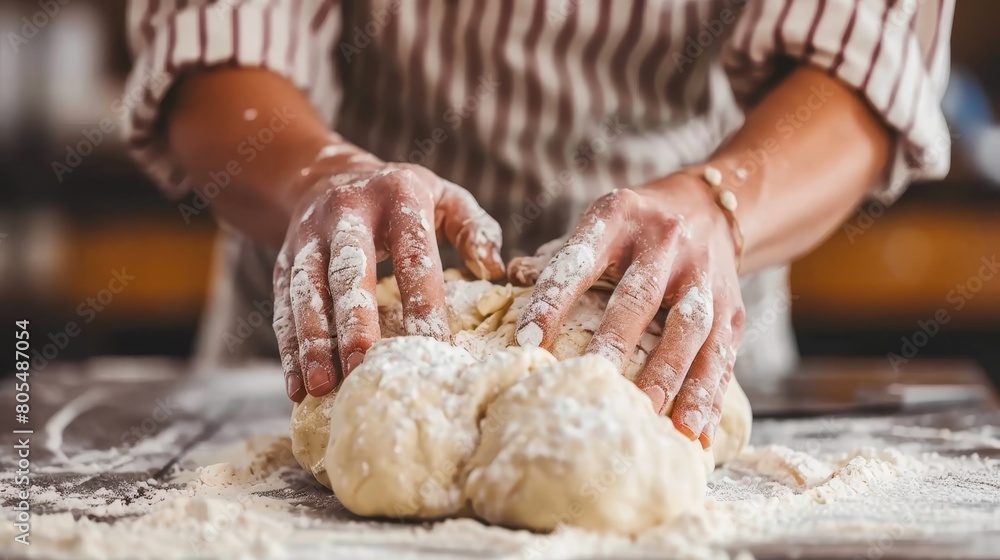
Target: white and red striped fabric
[[543, 105]]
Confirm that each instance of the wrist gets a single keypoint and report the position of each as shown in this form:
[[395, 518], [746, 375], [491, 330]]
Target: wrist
[[707, 207], [325, 158]]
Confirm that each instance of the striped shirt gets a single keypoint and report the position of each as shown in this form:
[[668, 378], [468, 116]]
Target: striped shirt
[[538, 107]]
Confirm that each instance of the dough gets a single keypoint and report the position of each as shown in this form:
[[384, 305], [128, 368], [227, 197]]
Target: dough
[[578, 444], [516, 436], [407, 421], [310, 430]]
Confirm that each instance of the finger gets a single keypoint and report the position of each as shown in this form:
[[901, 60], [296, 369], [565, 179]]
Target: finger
[[707, 437], [684, 332], [632, 306], [284, 327], [473, 232], [311, 309], [415, 259], [572, 271], [524, 271], [352, 280], [693, 406]]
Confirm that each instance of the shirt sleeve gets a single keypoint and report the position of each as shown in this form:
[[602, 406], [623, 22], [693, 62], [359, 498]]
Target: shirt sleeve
[[895, 52], [294, 38]]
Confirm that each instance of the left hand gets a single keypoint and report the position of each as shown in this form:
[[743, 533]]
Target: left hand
[[667, 244]]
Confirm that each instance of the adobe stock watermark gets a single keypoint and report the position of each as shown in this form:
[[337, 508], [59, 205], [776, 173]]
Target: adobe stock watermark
[[709, 32], [363, 36], [762, 322], [928, 328], [556, 15], [95, 136], [262, 315], [875, 208], [87, 310], [31, 25], [435, 487], [590, 491], [901, 14], [248, 149], [786, 128], [457, 113], [163, 410], [581, 159], [880, 545]]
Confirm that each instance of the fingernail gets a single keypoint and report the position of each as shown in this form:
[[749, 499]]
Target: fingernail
[[706, 437], [688, 432], [293, 386], [353, 361], [317, 379], [656, 395], [692, 420], [708, 432], [529, 335]]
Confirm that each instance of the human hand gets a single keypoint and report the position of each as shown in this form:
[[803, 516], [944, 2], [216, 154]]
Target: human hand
[[326, 316], [666, 244]]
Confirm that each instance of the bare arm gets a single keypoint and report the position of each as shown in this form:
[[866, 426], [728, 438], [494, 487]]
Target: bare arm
[[822, 150], [670, 244], [334, 210], [209, 125]]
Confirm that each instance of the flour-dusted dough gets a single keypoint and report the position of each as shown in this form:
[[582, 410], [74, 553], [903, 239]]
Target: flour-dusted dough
[[401, 431], [310, 431], [424, 429], [578, 444]]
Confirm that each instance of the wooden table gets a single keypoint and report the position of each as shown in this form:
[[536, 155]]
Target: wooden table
[[118, 403]]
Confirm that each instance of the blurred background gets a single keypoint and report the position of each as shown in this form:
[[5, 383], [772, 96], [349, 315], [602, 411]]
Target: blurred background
[[71, 234]]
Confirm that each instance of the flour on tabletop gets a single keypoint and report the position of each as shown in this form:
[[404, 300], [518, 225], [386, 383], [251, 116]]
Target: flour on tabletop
[[858, 480], [216, 503]]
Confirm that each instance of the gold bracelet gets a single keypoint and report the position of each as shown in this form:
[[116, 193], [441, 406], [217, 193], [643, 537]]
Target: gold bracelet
[[726, 199]]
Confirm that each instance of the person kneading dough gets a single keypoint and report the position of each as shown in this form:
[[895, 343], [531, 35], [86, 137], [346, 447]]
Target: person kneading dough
[[511, 435]]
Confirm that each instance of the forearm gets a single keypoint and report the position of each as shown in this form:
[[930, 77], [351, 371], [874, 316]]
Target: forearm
[[812, 150], [260, 123]]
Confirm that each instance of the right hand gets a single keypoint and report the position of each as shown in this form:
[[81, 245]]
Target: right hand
[[325, 315]]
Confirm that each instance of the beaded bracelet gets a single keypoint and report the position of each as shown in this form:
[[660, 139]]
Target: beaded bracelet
[[726, 199]]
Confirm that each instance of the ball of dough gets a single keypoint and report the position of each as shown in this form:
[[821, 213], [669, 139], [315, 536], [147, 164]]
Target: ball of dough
[[310, 430], [400, 431], [405, 423], [733, 433], [421, 429], [578, 444]]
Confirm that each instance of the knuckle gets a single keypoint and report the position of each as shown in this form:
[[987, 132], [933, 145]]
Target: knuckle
[[620, 197], [282, 325], [612, 345], [674, 227], [544, 303], [637, 298], [290, 363], [696, 391], [412, 260], [406, 167], [316, 350], [739, 318], [665, 374]]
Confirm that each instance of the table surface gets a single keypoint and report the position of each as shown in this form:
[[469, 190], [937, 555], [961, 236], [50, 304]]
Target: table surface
[[107, 403]]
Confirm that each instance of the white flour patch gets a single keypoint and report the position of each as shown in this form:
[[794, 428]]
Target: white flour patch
[[530, 335], [846, 481]]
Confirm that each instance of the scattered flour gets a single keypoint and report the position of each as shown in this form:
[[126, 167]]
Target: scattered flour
[[227, 502], [869, 485]]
